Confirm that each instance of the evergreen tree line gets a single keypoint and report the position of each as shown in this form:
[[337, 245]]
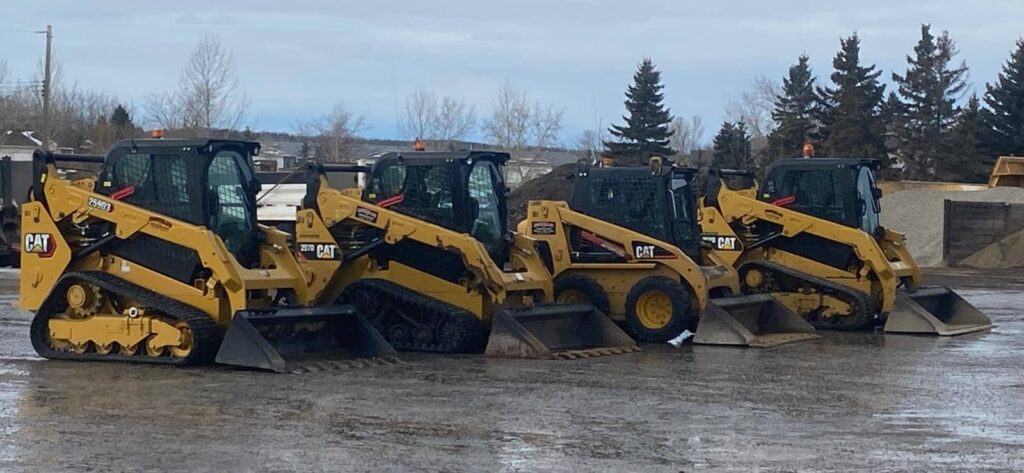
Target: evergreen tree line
[[926, 128]]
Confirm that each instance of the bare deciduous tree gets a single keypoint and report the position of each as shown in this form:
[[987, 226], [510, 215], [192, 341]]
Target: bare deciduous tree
[[545, 126], [420, 114], [333, 133], [687, 136], [510, 121], [208, 95], [455, 121], [5, 73], [440, 122], [166, 111], [754, 107], [524, 129], [590, 144]]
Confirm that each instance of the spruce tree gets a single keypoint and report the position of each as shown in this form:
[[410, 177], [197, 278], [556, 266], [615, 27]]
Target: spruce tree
[[646, 132], [732, 147], [1005, 101], [893, 116], [929, 91], [122, 122], [794, 113], [968, 139], [850, 113]]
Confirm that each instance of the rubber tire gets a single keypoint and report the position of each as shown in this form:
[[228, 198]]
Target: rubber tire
[[683, 317], [593, 291]]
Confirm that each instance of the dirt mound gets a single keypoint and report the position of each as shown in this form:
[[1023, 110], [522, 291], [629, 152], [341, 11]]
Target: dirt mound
[[555, 185], [918, 213], [1005, 253]]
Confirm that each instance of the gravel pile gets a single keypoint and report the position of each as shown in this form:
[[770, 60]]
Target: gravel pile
[[1005, 253], [918, 214]]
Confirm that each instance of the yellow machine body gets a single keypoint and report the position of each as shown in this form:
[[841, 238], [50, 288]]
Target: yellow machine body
[[644, 280], [434, 288], [94, 304], [881, 268]]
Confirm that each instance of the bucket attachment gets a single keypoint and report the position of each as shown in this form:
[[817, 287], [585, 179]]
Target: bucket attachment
[[556, 331], [299, 339], [756, 320], [934, 310]]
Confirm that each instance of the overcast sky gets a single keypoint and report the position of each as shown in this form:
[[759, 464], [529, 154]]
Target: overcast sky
[[297, 58]]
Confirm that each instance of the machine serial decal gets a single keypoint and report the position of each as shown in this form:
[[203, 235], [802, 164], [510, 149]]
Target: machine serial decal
[[101, 204]]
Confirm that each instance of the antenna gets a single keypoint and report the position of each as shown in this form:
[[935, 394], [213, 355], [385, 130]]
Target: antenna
[[47, 90]]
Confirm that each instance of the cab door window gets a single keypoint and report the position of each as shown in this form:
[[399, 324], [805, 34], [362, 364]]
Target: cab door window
[[231, 216], [484, 208], [870, 207]]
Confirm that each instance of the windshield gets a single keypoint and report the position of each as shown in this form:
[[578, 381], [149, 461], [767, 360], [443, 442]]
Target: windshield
[[817, 192], [869, 201], [422, 191], [632, 202], [159, 182]]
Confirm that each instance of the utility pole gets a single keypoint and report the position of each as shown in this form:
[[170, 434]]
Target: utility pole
[[47, 86]]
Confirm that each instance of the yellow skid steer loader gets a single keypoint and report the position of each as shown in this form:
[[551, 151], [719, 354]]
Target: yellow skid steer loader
[[630, 245], [159, 259], [424, 252], [811, 237]]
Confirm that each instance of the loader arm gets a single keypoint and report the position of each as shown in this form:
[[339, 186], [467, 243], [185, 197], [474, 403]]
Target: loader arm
[[339, 206], [736, 208], [74, 203]]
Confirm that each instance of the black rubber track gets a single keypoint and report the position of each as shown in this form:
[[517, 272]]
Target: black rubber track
[[205, 336], [465, 333], [864, 307]]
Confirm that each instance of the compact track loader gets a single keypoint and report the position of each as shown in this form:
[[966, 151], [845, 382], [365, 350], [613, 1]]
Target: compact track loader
[[160, 260], [630, 245], [811, 237], [423, 251]]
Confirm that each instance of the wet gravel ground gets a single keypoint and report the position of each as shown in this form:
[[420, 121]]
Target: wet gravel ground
[[848, 402]]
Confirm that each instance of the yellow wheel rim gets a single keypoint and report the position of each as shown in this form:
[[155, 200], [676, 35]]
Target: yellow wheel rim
[[571, 296], [128, 350], [77, 296], [185, 347], [753, 278], [654, 309], [154, 352]]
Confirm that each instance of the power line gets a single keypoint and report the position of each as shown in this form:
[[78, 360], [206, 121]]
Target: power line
[[23, 31]]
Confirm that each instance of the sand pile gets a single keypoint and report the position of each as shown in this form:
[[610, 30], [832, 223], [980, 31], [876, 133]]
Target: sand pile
[[918, 214], [1005, 253]]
